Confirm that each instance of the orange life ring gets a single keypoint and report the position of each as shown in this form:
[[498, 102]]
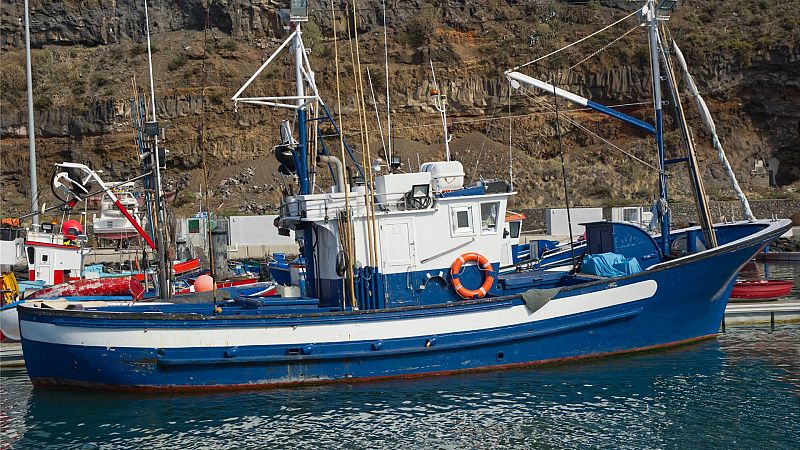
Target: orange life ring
[[483, 264]]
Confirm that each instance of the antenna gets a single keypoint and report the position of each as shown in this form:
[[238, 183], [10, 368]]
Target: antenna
[[386, 63], [440, 102]]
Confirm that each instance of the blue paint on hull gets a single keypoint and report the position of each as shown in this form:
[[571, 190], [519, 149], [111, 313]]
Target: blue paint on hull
[[688, 304]]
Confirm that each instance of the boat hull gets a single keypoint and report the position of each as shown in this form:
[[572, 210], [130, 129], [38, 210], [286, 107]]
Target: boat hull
[[129, 286], [672, 303], [762, 290]]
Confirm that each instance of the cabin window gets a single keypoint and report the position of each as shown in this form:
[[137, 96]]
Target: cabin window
[[461, 219], [44, 258], [31, 255], [194, 226], [489, 217], [630, 215], [514, 228]]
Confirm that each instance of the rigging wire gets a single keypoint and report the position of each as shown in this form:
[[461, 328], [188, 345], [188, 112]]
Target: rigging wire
[[583, 128], [635, 27], [516, 116], [483, 142], [576, 42], [563, 173], [377, 116], [429, 7], [207, 221]]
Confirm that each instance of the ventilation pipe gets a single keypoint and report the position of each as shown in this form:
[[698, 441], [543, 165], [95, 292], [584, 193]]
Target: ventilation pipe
[[340, 183]]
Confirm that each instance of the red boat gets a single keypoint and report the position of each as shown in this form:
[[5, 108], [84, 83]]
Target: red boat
[[761, 289], [186, 266], [117, 286]]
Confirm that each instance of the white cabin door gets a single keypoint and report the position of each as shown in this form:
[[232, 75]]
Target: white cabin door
[[44, 267], [398, 260], [397, 246]]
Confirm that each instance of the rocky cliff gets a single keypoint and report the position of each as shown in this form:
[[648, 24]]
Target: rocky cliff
[[89, 55]]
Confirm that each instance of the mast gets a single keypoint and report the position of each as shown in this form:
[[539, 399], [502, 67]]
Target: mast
[[31, 132], [663, 210], [302, 138], [152, 129]]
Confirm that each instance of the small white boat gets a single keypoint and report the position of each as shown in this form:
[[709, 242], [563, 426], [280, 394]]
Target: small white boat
[[111, 223]]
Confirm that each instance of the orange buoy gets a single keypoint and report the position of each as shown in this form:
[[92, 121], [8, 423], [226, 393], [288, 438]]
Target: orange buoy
[[203, 283], [483, 264]]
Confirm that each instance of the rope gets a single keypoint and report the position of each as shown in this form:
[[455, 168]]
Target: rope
[[578, 125], [510, 155], [377, 116], [576, 42], [602, 48], [563, 173], [207, 221], [366, 156], [483, 142], [705, 115], [347, 229]]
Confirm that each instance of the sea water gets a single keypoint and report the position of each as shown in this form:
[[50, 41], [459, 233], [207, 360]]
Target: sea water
[[741, 390]]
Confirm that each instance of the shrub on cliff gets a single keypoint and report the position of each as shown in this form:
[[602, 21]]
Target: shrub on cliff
[[421, 28]]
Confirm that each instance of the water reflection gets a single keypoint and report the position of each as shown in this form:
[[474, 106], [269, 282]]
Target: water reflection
[[682, 397]]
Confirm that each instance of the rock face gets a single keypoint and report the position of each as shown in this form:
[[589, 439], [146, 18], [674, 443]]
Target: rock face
[[89, 53], [104, 22]]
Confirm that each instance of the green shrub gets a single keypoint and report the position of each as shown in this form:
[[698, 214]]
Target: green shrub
[[100, 80], [141, 49], [79, 89], [177, 62], [42, 102], [12, 81], [312, 36], [138, 49], [228, 44], [421, 28]]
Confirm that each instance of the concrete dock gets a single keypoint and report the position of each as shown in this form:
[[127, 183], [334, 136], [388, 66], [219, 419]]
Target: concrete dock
[[761, 312], [11, 356]]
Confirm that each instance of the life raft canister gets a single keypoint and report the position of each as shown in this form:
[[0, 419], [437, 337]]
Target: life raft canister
[[483, 264]]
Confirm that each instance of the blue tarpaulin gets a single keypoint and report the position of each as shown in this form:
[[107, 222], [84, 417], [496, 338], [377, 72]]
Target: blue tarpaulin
[[609, 265]]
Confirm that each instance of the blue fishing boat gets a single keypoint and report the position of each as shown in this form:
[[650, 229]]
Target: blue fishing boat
[[402, 280]]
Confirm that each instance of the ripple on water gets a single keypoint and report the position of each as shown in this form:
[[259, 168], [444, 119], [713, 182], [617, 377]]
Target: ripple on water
[[740, 390]]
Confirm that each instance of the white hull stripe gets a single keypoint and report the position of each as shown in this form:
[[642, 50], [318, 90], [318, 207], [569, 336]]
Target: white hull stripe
[[341, 332]]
